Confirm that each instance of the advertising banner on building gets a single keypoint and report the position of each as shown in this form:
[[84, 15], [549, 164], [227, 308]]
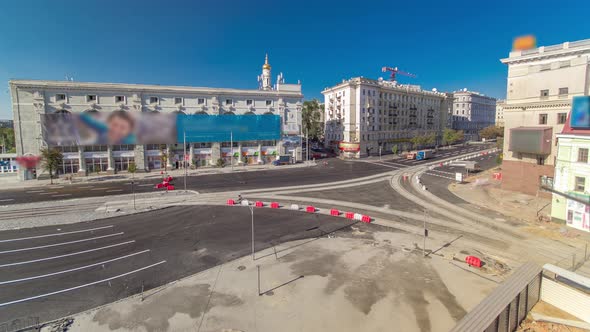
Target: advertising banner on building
[[580, 116], [349, 147], [120, 127]]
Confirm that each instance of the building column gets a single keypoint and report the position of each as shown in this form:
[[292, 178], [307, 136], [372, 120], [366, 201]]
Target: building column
[[111, 161], [240, 153], [81, 161], [215, 153], [168, 161], [139, 158], [259, 153], [191, 152]]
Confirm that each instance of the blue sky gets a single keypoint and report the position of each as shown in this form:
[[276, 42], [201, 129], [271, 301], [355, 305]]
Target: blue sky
[[448, 45]]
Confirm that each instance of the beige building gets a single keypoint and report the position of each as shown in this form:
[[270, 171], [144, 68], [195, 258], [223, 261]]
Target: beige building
[[500, 113], [541, 84], [472, 112], [368, 117]]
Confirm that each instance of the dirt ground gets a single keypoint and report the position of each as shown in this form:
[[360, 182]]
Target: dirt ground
[[530, 325], [353, 281]]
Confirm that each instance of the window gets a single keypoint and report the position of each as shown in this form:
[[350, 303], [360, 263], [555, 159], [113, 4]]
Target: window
[[249, 102], [363, 92], [542, 119], [178, 100], [546, 181], [580, 184], [154, 100], [268, 102], [582, 155], [540, 160], [544, 93], [228, 102], [563, 91], [201, 101], [90, 98], [60, 97], [561, 117], [119, 99]]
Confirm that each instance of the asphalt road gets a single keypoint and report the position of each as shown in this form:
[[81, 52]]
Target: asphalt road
[[51, 272], [337, 170]]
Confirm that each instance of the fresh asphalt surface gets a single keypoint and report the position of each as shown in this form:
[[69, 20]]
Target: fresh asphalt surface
[[51, 272], [337, 170]]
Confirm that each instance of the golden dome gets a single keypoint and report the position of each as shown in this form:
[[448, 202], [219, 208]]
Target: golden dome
[[266, 65]]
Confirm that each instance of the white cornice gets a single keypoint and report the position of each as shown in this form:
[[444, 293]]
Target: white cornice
[[40, 84]]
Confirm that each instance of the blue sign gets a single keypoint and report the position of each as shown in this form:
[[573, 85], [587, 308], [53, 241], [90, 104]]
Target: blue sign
[[223, 128], [580, 116]]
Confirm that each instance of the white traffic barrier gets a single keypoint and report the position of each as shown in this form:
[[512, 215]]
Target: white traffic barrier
[[294, 207], [358, 216], [245, 202]]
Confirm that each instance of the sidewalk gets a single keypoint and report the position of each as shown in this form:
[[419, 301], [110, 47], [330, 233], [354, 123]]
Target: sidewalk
[[125, 176]]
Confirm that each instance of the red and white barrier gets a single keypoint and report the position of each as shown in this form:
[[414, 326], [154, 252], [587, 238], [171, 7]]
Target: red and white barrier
[[274, 205], [170, 187], [334, 212], [310, 209], [349, 215], [366, 219], [259, 204], [231, 202]]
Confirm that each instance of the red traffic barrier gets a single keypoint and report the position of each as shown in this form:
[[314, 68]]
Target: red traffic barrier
[[259, 204], [231, 202], [165, 183], [334, 212], [473, 261], [349, 215], [366, 219], [310, 209], [274, 205], [159, 186], [170, 187], [169, 179]]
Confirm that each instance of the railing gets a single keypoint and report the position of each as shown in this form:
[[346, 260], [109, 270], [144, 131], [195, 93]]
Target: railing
[[507, 306]]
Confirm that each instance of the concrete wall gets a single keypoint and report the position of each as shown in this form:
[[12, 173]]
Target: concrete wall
[[524, 176]]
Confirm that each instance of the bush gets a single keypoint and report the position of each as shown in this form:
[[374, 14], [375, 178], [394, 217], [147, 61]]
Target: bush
[[220, 162], [499, 159]]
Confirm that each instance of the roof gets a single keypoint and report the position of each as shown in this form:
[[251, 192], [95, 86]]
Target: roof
[[568, 130], [564, 49]]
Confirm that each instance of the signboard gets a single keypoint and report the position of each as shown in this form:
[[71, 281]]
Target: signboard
[[291, 141], [524, 43], [349, 147], [578, 215], [580, 116], [459, 177]]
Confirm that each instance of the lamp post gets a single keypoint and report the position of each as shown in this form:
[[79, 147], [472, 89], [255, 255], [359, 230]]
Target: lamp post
[[252, 223]]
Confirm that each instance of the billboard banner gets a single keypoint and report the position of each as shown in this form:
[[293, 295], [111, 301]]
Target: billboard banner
[[120, 127], [580, 117], [349, 147]]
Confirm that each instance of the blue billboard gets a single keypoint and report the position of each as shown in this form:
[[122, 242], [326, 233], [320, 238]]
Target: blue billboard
[[223, 128], [580, 116]]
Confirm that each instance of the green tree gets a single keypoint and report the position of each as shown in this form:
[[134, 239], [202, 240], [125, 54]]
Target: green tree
[[394, 149], [164, 157], [132, 169], [7, 142], [310, 118], [220, 163], [451, 136], [491, 132], [51, 158]]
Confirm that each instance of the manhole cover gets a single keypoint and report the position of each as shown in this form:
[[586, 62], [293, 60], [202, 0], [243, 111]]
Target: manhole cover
[[241, 267]]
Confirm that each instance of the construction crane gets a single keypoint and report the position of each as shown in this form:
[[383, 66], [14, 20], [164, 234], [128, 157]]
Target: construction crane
[[394, 71]]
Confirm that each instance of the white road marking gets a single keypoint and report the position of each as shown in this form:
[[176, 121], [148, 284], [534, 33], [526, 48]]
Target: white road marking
[[34, 191], [61, 244], [49, 193], [86, 187], [7, 200], [62, 195], [56, 187], [99, 188], [146, 185], [72, 270], [440, 176], [66, 255], [433, 170], [114, 190], [56, 234], [80, 286]]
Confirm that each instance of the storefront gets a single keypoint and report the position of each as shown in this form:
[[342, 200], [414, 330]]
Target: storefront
[[154, 157], [202, 157], [269, 154], [578, 214], [96, 162], [349, 150], [123, 159], [70, 163], [250, 155]]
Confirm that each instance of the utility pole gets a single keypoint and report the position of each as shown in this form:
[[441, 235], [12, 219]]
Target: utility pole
[[307, 143], [231, 149], [252, 213], [425, 235], [184, 160]]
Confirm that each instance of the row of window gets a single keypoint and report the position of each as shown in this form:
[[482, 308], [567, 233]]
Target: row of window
[[561, 118], [156, 100], [561, 92]]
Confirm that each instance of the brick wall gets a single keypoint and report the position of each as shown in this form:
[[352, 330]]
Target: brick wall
[[524, 177]]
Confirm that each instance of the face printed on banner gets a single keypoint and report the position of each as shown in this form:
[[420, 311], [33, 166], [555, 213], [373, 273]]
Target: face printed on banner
[[120, 127]]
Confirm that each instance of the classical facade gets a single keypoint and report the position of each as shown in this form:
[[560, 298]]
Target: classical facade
[[500, 112], [367, 117], [31, 98], [571, 183], [472, 111], [541, 84]]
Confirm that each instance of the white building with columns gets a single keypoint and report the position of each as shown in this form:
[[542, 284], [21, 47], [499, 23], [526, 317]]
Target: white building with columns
[[31, 98], [365, 116]]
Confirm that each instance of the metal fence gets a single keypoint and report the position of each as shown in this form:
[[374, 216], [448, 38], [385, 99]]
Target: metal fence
[[20, 324], [506, 307]]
